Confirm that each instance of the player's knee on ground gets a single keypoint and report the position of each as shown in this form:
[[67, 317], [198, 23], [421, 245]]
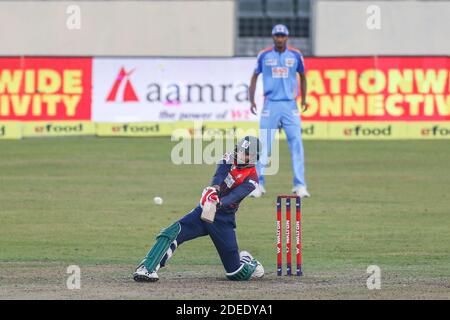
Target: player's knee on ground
[[230, 258], [163, 242]]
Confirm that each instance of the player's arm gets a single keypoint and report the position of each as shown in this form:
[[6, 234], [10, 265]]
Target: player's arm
[[303, 88], [252, 90], [222, 170], [210, 195], [211, 192], [238, 193], [253, 81], [303, 82], [220, 175]]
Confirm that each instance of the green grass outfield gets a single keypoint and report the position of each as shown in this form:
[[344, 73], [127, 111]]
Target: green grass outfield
[[90, 201]]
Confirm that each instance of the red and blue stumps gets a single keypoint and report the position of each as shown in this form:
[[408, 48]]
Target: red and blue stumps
[[279, 241], [298, 235]]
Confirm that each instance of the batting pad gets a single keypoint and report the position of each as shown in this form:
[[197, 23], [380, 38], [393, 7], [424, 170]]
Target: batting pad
[[163, 241]]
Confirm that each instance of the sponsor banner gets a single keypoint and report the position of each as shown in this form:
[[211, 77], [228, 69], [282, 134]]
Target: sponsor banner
[[212, 129], [429, 130], [310, 130], [367, 131], [10, 130], [45, 89], [205, 130], [146, 129], [388, 130], [314, 130], [168, 90], [209, 130], [216, 90], [378, 89], [58, 128]]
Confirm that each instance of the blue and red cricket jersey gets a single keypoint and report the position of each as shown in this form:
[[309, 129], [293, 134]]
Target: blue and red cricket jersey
[[235, 183]]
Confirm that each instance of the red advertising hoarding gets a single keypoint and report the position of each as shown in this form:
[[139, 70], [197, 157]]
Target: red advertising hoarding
[[378, 89], [45, 89]]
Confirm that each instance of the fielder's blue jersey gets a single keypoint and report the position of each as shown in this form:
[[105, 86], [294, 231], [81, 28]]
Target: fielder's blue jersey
[[279, 71], [235, 183]]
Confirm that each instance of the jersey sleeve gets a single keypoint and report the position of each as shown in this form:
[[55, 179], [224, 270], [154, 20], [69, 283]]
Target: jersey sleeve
[[238, 193], [300, 64], [221, 173], [222, 170], [258, 67]]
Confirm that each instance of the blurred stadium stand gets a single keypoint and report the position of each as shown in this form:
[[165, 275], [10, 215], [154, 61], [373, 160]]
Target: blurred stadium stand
[[257, 17], [222, 28]]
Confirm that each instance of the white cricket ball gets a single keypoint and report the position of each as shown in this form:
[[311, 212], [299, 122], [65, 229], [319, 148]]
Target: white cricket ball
[[158, 200]]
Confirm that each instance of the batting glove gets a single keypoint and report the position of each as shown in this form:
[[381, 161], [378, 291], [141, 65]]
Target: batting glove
[[209, 194]]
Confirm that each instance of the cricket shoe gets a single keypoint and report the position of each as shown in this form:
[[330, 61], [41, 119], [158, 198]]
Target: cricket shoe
[[246, 257], [258, 192], [142, 275], [301, 192]]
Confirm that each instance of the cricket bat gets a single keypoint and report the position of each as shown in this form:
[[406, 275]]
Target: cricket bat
[[209, 212]]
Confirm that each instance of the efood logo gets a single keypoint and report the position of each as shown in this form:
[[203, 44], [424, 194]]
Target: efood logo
[[308, 131], [50, 128], [205, 131], [365, 131], [122, 89], [435, 131], [135, 128]]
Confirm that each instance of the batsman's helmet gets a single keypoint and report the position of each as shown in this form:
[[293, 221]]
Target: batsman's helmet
[[251, 146]]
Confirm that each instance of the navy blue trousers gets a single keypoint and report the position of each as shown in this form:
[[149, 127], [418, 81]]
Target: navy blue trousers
[[221, 231]]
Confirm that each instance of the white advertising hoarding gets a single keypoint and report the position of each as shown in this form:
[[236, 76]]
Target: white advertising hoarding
[[151, 89]]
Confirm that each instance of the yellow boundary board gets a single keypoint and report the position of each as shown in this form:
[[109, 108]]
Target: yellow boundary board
[[310, 130], [10, 130]]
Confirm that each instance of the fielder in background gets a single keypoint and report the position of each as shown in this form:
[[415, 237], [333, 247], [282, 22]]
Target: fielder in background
[[279, 66], [235, 178]]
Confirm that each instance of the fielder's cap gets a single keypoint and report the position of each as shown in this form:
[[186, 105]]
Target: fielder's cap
[[280, 29]]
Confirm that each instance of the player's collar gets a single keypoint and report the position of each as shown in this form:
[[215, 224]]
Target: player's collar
[[274, 49]]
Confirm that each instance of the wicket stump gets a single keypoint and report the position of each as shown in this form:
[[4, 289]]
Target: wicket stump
[[298, 235]]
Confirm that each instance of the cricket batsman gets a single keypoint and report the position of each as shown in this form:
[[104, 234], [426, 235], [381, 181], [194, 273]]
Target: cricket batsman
[[280, 66], [235, 178]]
